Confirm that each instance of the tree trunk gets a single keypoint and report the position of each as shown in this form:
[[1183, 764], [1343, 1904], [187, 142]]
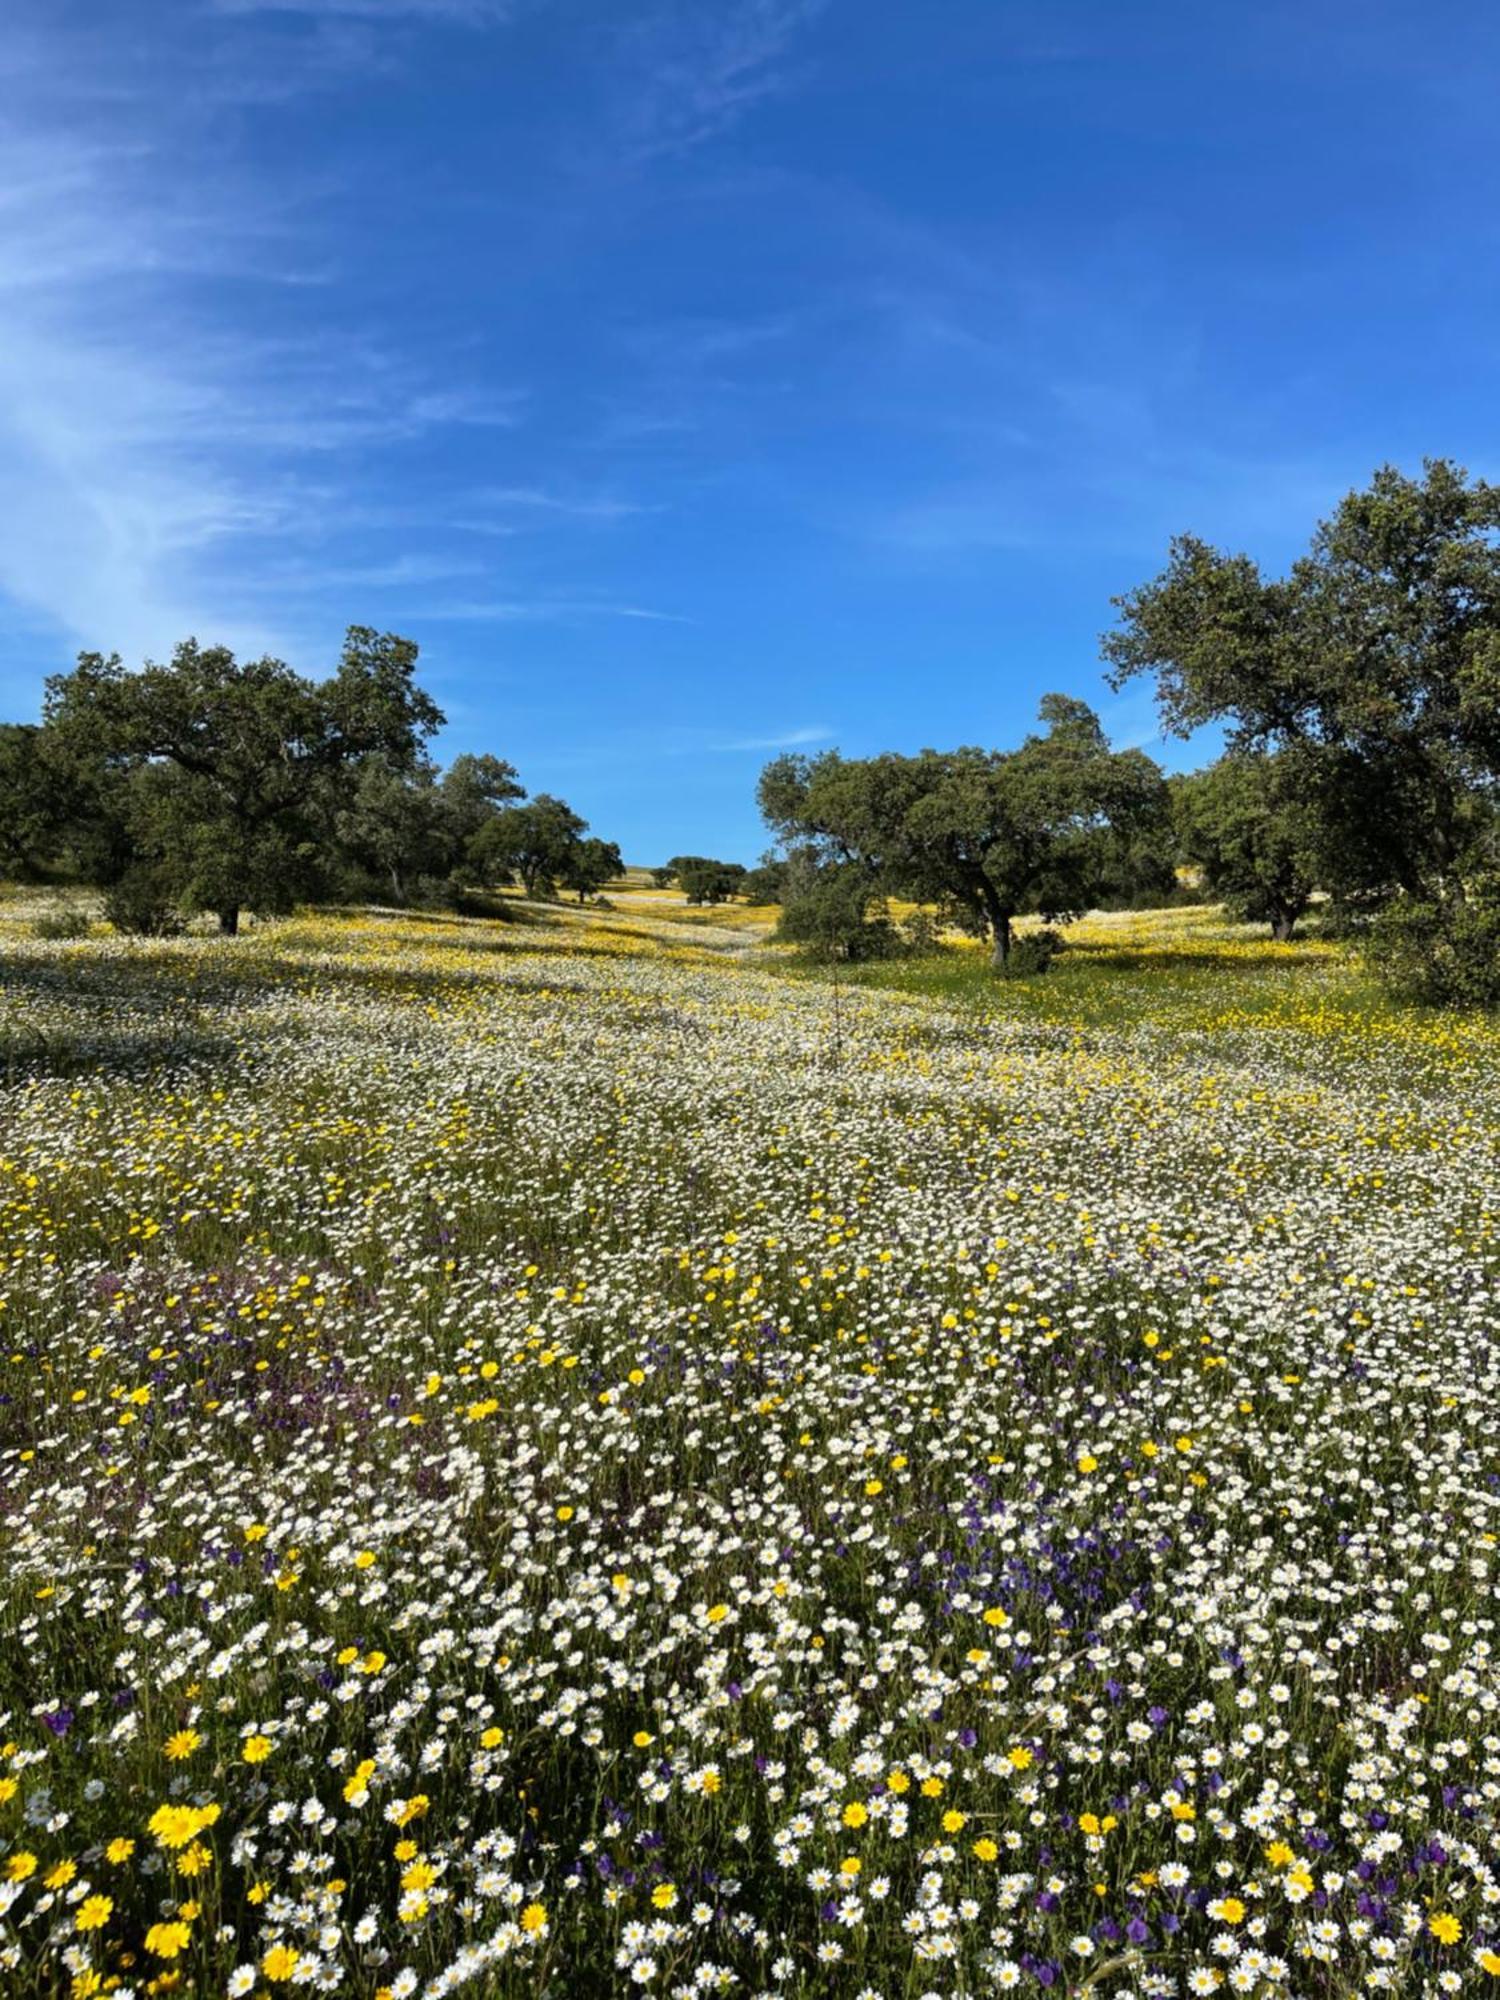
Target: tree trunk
[[999, 920], [229, 921]]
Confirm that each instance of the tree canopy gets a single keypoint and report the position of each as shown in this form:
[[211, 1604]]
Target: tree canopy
[[31, 809], [231, 762], [704, 880], [405, 823], [1249, 824], [214, 783], [1378, 654], [996, 833], [589, 864], [533, 844]]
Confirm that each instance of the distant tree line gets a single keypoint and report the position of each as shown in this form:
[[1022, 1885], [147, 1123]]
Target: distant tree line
[[1359, 695], [214, 784]]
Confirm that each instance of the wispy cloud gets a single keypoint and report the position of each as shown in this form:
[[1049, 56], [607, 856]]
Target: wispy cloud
[[697, 70], [704, 342], [400, 572], [500, 507], [155, 452], [628, 746], [791, 739], [544, 611]]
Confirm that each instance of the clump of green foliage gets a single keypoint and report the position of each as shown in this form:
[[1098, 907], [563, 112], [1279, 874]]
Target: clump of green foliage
[[140, 904], [216, 784], [1363, 688], [832, 911], [1032, 953], [990, 834], [1443, 954], [702, 879], [61, 923]]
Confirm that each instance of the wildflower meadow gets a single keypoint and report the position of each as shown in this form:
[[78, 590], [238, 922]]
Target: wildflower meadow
[[579, 1459]]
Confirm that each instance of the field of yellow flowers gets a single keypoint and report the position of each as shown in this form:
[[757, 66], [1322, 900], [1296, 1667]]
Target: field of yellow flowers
[[562, 1461]]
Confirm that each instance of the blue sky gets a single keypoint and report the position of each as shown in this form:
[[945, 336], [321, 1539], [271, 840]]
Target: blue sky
[[697, 379]]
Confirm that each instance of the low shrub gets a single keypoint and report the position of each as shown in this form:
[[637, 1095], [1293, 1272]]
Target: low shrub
[[1032, 953], [64, 920], [922, 934], [1440, 954], [141, 905], [829, 915]]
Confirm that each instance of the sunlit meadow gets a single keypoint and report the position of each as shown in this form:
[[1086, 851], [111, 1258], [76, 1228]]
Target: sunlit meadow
[[584, 1459]]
